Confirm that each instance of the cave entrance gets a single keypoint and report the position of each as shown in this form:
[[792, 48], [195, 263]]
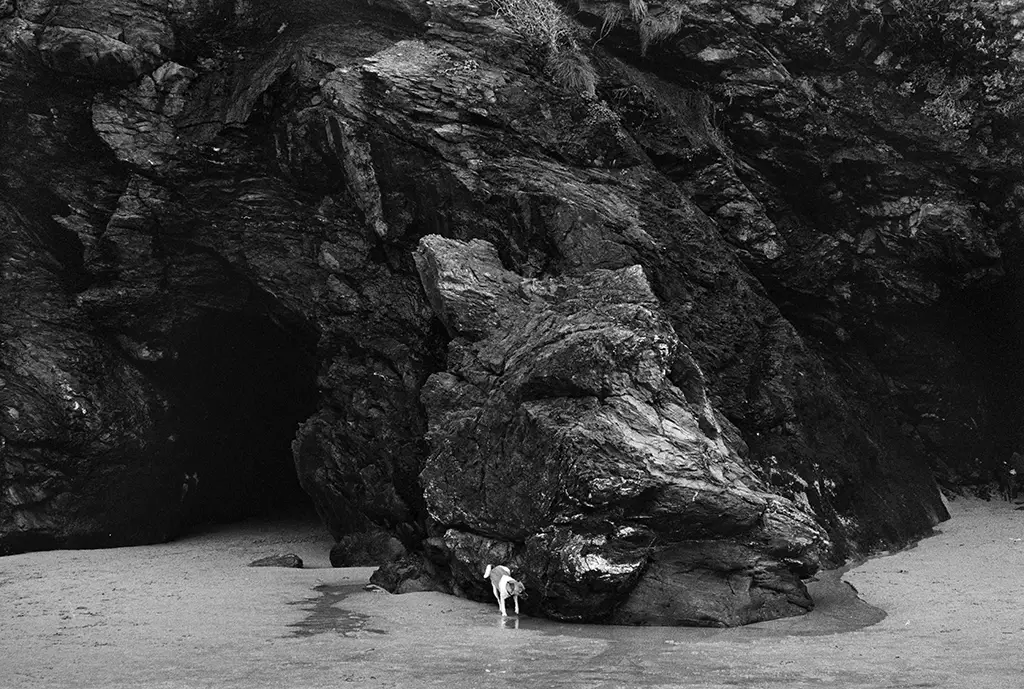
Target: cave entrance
[[990, 328], [241, 385]]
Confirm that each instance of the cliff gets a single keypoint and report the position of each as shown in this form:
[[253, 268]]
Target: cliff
[[786, 229]]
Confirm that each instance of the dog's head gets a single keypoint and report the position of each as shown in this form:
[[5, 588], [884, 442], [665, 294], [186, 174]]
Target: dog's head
[[515, 588]]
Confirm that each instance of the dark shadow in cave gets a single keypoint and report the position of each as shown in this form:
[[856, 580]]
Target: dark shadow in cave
[[990, 320], [241, 385]]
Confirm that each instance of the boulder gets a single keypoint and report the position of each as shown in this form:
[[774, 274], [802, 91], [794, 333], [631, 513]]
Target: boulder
[[410, 574], [572, 439], [366, 548], [287, 560]]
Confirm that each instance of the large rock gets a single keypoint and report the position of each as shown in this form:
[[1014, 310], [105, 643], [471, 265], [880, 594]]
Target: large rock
[[458, 132], [572, 433], [217, 204]]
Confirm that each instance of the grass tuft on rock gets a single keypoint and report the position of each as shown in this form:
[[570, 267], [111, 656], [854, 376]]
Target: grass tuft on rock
[[545, 26]]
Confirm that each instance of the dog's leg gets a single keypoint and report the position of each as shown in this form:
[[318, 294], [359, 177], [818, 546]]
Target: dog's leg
[[497, 596], [516, 599], [501, 606]]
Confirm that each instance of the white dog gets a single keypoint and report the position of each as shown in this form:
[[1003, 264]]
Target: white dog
[[504, 586]]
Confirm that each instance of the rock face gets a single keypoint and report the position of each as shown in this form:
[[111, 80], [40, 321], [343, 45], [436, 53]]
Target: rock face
[[211, 307], [572, 439], [73, 416], [875, 199], [189, 298]]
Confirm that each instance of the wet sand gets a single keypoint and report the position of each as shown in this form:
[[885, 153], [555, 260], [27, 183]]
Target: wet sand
[[948, 613]]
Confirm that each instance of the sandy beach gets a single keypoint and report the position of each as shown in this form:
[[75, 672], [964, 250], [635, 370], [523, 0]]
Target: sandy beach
[[947, 613]]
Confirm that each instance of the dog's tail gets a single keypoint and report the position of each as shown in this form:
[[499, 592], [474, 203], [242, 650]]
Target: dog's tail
[[487, 572]]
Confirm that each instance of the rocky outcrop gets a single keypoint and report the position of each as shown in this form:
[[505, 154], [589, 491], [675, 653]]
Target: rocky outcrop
[[562, 182], [874, 193], [222, 295], [73, 416], [572, 439], [211, 209]]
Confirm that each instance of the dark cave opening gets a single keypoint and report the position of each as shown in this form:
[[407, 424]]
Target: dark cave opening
[[991, 325], [241, 384]]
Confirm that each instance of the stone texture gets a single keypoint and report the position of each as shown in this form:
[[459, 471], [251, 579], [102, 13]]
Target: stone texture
[[824, 206], [138, 125], [366, 549], [409, 574], [85, 53], [873, 192], [573, 430], [598, 202], [287, 560], [73, 415]]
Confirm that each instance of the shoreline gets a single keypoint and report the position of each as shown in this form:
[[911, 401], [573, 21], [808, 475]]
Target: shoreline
[[191, 613]]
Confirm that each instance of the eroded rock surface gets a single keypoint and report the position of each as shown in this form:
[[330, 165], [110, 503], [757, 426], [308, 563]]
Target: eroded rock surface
[[572, 439], [73, 416], [286, 560], [875, 196], [453, 131], [210, 213]]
